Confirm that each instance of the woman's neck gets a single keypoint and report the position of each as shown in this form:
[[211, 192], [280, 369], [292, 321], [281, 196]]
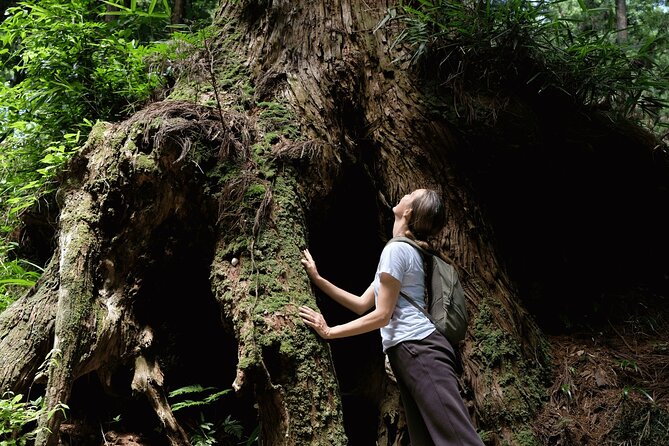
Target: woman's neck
[[400, 227]]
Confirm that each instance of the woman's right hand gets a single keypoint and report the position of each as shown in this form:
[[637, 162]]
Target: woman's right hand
[[309, 265], [315, 320]]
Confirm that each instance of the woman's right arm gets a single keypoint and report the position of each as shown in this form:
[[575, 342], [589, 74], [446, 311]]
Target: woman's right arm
[[357, 304]]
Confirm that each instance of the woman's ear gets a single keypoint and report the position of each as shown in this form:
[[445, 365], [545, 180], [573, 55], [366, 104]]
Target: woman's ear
[[407, 213]]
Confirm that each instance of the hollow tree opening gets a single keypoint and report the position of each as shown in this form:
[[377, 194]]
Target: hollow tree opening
[[346, 238], [192, 346]]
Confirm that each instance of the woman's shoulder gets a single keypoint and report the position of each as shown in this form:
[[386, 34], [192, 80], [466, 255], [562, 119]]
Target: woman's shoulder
[[399, 256], [398, 248]]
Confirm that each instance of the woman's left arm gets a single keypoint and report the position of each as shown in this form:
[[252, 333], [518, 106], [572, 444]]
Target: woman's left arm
[[389, 291]]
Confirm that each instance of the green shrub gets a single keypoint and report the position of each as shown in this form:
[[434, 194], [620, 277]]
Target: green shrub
[[538, 47], [64, 66], [18, 419]]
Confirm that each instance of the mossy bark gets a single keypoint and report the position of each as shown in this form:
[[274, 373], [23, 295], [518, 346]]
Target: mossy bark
[[289, 369], [26, 333], [75, 329]]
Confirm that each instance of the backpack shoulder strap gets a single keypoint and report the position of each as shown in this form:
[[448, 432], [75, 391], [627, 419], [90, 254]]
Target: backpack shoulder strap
[[409, 241], [415, 304]]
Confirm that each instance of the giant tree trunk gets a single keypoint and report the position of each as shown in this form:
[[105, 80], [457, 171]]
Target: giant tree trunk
[[187, 205]]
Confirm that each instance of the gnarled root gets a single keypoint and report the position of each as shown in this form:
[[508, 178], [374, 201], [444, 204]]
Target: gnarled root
[[148, 379]]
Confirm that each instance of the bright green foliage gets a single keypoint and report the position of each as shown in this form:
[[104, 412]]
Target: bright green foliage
[[208, 399], [644, 55], [14, 417], [198, 13], [64, 67], [537, 47], [18, 419], [144, 20], [153, 9], [15, 276], [205, 433]]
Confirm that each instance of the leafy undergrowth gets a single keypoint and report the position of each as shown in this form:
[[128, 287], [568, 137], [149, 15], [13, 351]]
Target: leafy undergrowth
[[611, 383]]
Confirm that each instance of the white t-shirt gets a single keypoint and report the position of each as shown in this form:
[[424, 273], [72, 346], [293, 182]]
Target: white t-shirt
[[403, 262]]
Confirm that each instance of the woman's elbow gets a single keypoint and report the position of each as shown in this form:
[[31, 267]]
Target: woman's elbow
[[384, 318]]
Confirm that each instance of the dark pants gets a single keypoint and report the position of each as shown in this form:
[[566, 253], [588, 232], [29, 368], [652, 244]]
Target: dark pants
[[435, 412]]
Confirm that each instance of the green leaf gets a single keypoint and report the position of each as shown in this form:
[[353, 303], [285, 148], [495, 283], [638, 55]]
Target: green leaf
[[19, 282]]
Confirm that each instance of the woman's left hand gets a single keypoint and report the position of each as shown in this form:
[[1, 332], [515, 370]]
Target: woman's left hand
[[315, 320]]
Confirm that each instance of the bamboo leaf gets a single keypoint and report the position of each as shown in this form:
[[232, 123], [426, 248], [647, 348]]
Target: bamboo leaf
[[119, 6], [18, 282]]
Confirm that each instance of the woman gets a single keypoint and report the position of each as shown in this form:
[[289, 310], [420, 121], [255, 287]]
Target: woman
[[422, 359]]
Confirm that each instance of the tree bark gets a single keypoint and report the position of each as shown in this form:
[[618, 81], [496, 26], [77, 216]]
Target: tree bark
[[26, 333], [621, 21], [179, 11]]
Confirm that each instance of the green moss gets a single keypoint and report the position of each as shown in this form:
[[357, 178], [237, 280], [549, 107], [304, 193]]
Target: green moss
[[520, 380], [144, 163], [271, 138], [275, 278], [186, 91], [277, 120], [269, 281], [525, 437], [97, 134], [276, 284], [230, 75], [76, 305], [255, 191], [493, 344]]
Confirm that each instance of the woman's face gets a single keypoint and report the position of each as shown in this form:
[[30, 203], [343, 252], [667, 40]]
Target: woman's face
[[405, 202]]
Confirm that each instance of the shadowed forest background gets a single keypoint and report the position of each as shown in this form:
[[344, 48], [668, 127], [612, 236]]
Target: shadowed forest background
[[163, 163]]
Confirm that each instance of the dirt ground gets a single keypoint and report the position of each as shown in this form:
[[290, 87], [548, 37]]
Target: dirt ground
[[611, 382]]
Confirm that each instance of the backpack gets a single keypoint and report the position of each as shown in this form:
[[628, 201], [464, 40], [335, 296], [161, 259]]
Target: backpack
[[446, 298]]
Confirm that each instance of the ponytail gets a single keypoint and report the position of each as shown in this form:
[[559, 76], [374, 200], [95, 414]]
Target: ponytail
[[428, 217]]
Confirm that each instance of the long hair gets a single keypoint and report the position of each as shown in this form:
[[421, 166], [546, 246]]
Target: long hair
[[428, 216]]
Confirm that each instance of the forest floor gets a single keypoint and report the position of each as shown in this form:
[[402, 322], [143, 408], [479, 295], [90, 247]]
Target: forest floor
[[611, 382]]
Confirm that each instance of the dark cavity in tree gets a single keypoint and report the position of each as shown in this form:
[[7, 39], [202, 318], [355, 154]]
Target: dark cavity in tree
[[346, 231]]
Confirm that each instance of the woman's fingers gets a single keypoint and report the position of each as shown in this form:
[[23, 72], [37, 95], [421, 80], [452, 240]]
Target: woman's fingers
[[314, 320], [308, 314], [308, 263], [304, 313], [307, 255], [307, 258]]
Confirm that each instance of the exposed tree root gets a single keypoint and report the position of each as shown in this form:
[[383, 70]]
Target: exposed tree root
[[148, 380]]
